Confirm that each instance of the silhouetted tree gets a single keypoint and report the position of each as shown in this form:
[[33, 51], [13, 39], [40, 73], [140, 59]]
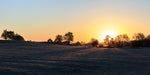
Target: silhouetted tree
[[118, 38], [107, 39], [138, 40], [11, 36], [94, 42], [58, 39], [18, 37], [139, 36], [126, 38], [122, 40], [4, 35], [68, 37], [112, 43], [50, 40], [148, 37]]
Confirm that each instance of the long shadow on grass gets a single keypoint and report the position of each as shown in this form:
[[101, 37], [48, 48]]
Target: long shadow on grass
[[57, 53]]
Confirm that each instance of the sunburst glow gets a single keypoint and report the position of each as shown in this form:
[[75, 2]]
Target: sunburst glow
[[111, 33]]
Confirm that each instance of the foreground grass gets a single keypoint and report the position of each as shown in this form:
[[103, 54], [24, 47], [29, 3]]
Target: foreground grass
[[44, 59]]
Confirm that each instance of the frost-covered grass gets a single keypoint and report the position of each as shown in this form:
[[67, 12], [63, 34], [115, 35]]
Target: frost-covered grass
[[44, 59]]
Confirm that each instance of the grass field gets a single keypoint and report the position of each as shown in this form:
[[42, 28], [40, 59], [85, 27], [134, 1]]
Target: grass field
[[24, 58]]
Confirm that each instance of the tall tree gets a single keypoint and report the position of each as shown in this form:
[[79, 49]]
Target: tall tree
[[69, 37], [107, 39], [4, 34], [58, 39]]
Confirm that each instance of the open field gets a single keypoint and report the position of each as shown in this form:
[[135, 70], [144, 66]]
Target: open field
[[22, 58]]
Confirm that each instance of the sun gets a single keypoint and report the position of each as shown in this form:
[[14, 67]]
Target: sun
[[111, 33]]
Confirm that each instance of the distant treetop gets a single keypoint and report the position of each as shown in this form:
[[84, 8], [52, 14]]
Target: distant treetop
[[10, 35]]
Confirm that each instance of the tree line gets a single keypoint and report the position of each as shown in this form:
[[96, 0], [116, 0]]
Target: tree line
[[122, 40], [60, 39], [66, 39]]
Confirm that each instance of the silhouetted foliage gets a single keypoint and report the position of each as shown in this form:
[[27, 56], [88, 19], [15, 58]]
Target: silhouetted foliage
[[68, 37], [146, 43], [7, 35], [111, 43], [139, 36], [119, 41], [50, 40], [78, 43], [122, 40], [18, 37], [11, 36], [148, 37], [126, 38], [137, 43], [138, 40], [4, 35], [58, 39], [106, 40], [94, 42]]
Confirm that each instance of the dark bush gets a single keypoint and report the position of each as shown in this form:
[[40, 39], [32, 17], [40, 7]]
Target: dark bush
[[94, 43], [49, 41], [137, 44], [18, 37]]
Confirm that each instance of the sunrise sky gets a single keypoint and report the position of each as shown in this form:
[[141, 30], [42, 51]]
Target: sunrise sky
[[38, 20]]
